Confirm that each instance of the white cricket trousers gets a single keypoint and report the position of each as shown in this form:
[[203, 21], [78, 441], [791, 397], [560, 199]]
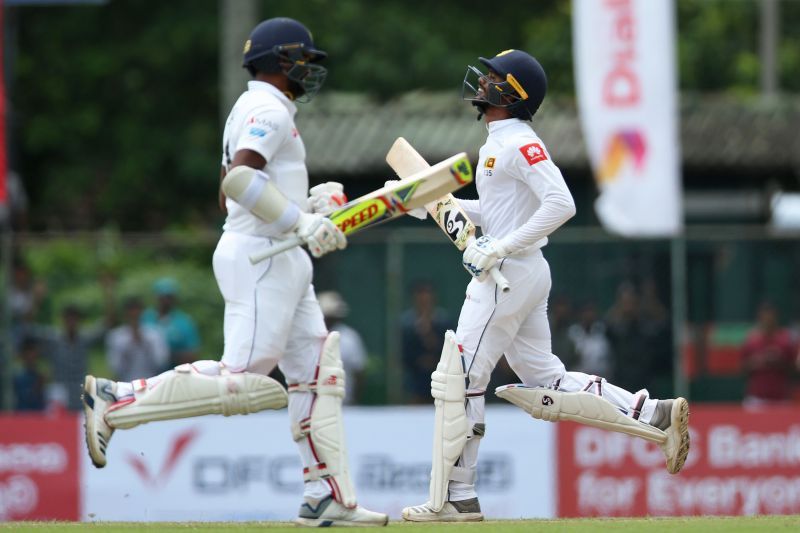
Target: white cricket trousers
[[272, 317], [491, 324]]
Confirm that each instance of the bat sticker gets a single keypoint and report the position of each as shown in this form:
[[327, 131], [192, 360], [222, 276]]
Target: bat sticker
[[454, 223]]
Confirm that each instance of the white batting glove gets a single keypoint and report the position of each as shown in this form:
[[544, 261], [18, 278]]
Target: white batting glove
[[481, 255], [418, 212], [326, 198], [320, 234]]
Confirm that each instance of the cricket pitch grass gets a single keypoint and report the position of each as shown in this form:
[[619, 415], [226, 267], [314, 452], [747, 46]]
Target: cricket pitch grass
[[690, 524]]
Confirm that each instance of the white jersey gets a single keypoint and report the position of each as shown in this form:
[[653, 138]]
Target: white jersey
[[523, 196], [262, 120]]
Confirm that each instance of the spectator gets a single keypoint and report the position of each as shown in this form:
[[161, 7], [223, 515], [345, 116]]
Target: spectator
[[768, 357], [560, 316], [29, 380], [177, 327], [67, 350], [25, 297], [657, 330], [135, 350], [423, 327], [354, 355], [629, 343], [17, 205], [591, 344]]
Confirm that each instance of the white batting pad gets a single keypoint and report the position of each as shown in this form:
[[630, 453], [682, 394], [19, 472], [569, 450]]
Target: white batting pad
[[326, 428], [187, 393], [582, 407], [451, 427]]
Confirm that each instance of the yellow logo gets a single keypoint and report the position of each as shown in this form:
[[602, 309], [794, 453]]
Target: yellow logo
[[360, 215], [247, 45], [489, 162]]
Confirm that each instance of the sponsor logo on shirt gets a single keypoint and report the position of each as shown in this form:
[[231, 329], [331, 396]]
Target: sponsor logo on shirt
[[263, 122], [534, 153], [489, 162], [260, 127]]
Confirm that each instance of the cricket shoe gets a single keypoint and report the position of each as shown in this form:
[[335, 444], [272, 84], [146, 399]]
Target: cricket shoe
[[328, 513], [97, 396], [672, 417], [461, 511]]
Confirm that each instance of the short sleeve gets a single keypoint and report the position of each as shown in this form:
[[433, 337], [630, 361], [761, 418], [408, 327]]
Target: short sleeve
[[264, 131]]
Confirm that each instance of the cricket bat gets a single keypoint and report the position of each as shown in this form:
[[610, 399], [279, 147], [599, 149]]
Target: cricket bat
[[446, 211], [415, 190]]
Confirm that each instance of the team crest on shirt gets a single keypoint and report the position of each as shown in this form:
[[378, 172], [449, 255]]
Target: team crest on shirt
[[534, 153], [488, 165]]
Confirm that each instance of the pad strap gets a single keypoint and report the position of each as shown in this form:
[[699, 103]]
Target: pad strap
[[316, 472], [302, 387], [463, 474], [594, 386], [300, 429], [638, 404]]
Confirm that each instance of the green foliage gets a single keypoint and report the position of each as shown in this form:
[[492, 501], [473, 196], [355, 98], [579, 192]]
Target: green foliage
[[114, 107], [116, 114], [718, 41], [87, 271], [388, 48]]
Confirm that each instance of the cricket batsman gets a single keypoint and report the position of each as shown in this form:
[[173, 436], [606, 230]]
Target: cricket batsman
[[272, 316], [522, 199]]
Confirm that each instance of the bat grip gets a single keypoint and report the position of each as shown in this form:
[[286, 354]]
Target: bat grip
[[500, 279], [282, 246]]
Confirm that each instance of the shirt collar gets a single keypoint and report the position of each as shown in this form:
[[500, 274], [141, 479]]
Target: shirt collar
[[255, 85], [497, 125]]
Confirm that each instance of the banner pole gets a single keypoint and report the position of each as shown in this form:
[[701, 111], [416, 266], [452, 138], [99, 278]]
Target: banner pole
[[678, 262]]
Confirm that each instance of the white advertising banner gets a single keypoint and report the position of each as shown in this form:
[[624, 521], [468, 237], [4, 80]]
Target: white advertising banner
[[248, 468], [627, 90]]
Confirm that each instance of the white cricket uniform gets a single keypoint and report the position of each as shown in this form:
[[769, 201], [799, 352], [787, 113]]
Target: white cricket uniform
[[522, 199], [271, 312]]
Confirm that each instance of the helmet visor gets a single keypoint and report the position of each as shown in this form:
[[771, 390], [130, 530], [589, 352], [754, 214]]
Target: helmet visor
[[471, 89], [301, 68], [479, 87]]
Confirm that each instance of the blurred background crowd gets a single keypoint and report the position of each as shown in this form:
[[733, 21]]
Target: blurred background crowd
[[141, 334]]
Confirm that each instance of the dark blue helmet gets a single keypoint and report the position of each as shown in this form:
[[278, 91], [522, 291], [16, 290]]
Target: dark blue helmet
[[285, 45], [521, 91]]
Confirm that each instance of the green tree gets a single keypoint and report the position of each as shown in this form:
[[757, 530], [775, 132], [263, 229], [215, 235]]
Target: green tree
[[114, 107]]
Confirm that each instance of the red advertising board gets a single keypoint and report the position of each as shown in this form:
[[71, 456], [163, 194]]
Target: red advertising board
[[742, 462], [39, 468]]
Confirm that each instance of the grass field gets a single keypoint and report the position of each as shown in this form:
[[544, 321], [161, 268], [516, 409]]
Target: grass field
[[694, 524]]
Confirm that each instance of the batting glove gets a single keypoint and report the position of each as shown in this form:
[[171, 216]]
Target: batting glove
[[320, 234], [417, 212], [326, 198], [481, 255]]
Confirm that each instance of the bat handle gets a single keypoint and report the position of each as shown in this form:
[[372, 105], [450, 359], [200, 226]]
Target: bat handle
[[500, 279], [274, 250]]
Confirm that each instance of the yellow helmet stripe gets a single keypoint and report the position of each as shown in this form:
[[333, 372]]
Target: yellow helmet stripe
[[517, 87]]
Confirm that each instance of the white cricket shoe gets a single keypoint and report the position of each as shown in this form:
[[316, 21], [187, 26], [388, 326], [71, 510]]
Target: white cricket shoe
[[675, 423], [461, 511], [329, 512], [97, 396]]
